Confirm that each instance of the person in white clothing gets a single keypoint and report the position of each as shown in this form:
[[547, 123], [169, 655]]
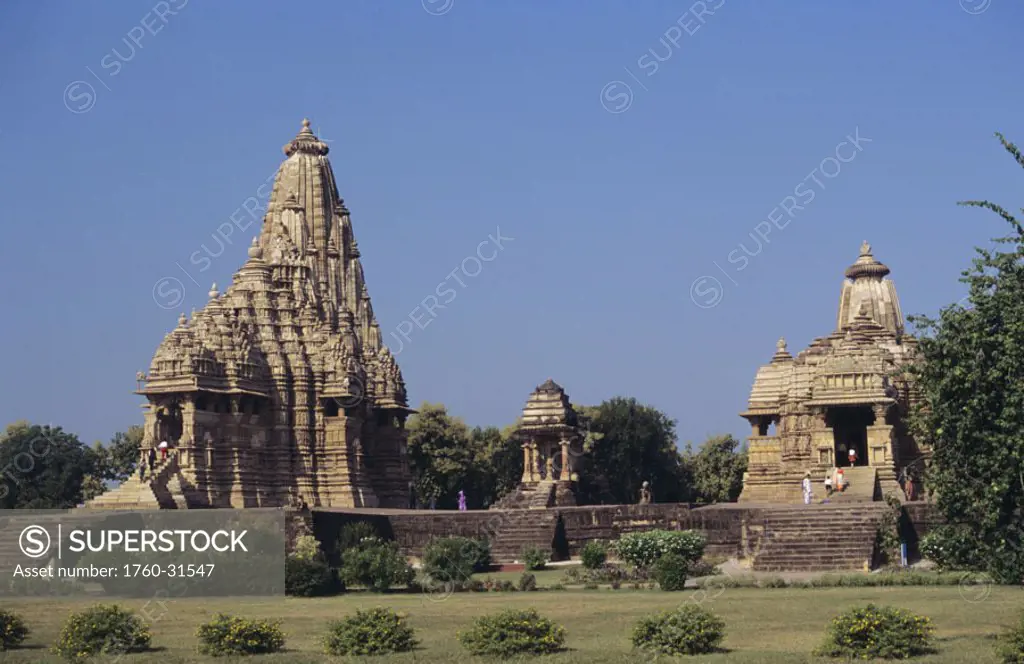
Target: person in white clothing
[[807, 488], [163, 449]]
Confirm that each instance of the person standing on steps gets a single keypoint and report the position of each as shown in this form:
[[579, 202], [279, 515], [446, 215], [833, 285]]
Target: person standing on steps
[[163, 450], [151, 460], [807, 488]]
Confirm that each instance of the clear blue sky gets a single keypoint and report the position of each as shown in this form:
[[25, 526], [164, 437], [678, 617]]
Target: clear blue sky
[[445, 127]]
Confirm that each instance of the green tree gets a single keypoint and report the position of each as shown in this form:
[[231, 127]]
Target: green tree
[[716, 470], [971, 375], [123, 453], [441, 455], [499, 463], [42, 467], [626, 444]]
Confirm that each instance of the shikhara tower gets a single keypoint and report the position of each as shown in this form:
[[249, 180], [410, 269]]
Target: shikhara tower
[[846, 391], [281, 389]]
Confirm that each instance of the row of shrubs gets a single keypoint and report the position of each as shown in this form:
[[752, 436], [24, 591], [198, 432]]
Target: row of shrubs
[[860, 633], [368, 561]]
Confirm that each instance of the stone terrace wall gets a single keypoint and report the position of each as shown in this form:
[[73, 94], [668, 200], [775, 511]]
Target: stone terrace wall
[[731, 530], [920, 519]]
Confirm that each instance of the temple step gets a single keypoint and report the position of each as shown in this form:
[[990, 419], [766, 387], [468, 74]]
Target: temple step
[[521, 529], [160, 490], [819, 537]]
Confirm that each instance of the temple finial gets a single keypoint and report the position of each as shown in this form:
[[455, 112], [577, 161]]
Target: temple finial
[[780, 345], [865, 249], [256, 251], [305, 125], [182, 320], [213, 291]]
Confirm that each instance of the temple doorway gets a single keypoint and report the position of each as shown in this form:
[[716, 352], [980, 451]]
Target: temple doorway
[[850, 431], [169, 424]]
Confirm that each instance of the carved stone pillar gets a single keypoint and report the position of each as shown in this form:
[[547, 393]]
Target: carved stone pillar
[[538, 462], [880, 439], [566, 465], [823, 440], [549, 462], [527, 467]]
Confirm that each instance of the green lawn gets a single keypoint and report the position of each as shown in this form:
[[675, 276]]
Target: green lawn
[[763, 625]]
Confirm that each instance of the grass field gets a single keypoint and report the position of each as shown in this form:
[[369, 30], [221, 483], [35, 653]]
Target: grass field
[[763, 625]]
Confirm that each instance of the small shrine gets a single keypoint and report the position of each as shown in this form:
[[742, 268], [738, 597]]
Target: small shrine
[[552, 443]]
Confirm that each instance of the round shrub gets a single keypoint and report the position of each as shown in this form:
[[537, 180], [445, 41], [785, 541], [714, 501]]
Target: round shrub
[[1011, 644], [527, 582], [375, 632], [882, 632], [12, 630], [106, 629], [451, 560], [642, 549], [593, 555], [309, 577], [534, 558], [307, 547], [513, 632], [670, 571], [481, 552], [688, 630], [377, 566], [229, 635]]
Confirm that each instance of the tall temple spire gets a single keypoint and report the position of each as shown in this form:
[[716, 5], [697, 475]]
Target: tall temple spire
[[292, 344], [867, 294]]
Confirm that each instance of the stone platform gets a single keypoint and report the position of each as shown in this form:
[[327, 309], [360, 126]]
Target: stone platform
[[836, 536]]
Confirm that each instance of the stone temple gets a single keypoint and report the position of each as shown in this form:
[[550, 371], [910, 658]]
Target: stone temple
[[844, 391], [280, 390]]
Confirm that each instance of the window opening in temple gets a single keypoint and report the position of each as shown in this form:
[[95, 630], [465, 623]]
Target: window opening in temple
[[849, 429]]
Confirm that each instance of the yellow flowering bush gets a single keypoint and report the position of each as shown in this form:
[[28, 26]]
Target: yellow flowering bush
[[102, 629], [513, 632], [230, 635], [882, 632], [12, 630], [688, 630], [378, 631]]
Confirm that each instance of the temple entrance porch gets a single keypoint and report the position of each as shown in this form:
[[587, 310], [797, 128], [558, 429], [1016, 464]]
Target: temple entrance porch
[[849, 426]]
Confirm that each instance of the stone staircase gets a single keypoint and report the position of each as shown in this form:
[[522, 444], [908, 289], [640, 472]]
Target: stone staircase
[[862, 486], [816, 538], [160, 490], [539, 495], [520, 529]]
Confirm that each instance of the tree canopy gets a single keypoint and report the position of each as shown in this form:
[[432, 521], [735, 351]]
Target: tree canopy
[[971, 374], [42, 467], [630, 443], [716, 470]]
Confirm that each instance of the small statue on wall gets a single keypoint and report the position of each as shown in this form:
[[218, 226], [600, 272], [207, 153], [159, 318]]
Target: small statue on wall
[[645, 493]]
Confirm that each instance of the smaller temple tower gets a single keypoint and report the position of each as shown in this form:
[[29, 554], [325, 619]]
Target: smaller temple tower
[[552, 443], [845, 393]]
